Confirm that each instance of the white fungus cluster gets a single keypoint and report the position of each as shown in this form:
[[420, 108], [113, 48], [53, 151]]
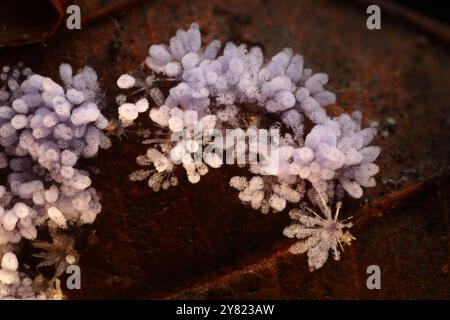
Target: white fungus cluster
[[9, 269], [318, 235], [238, 75], [178, 142], [239, 87], [335, 150], [130, 111], [45, 128], [267, 194], [15, 284]]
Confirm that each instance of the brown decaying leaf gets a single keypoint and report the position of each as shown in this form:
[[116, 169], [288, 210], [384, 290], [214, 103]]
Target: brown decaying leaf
[[147, 245]]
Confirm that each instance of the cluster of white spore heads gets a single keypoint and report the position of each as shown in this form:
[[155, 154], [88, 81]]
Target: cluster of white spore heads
[[45, 128], [234, 83]]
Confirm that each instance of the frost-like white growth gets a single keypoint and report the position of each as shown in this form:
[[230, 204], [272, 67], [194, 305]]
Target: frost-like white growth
[[16, 285], [341, 151], [241, 81], [239, 75], [318, 235], [128, 112], [45, 127], [236, 87], [57, 216], [10, 262], [268, 193], [8, 277], [166, 152], [125, 81], [142, 105]]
